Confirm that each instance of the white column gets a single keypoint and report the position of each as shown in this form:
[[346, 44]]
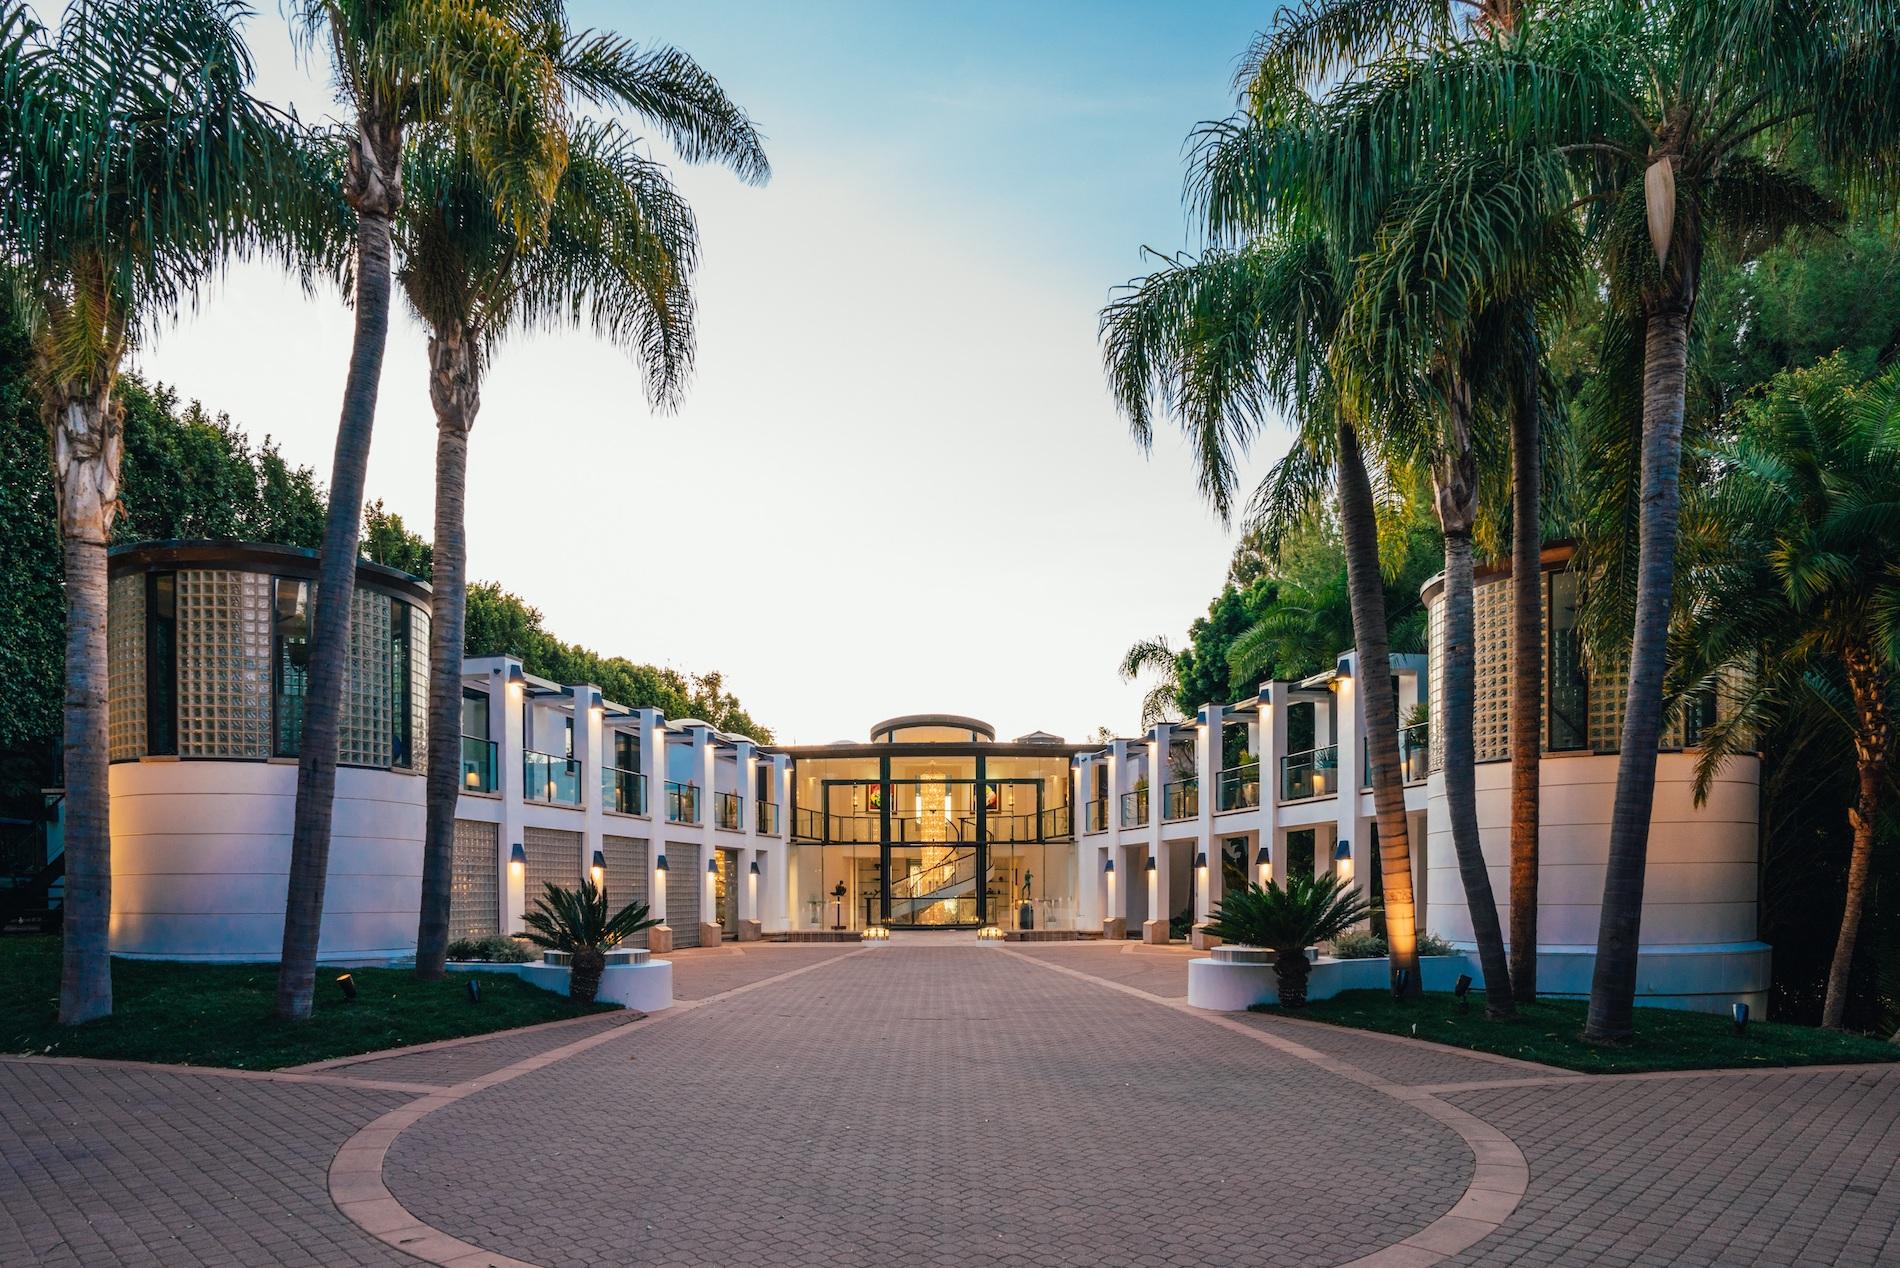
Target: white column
[[1088, 863], [1349, 825], [653, 765], [1112, 815], [1161, 903], [778, 868], [504, 725], [587, 751], [1207, 749]]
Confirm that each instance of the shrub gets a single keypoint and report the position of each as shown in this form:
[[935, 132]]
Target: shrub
[[1432, 944], [1361, 944], [493, 949]]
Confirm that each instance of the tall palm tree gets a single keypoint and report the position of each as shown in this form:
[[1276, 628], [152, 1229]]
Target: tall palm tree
[[1805, 594], [133, 162], [616, 254], [482, 70], [1220, 341]]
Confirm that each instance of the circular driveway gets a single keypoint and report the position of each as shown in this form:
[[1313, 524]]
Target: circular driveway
[[930, 1105]]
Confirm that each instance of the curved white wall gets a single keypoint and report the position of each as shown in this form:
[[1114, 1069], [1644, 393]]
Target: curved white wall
[[1699, 889], [201, 861]]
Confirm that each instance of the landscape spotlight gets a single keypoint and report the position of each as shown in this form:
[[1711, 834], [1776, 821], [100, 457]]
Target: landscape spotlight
[[348, 984], [474, 991], [1463, 992], [1400, 983], [1739, 1012]]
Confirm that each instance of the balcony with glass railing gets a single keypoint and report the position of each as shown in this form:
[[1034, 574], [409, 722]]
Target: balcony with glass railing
[[767, 812], [479, 764], [546, 777], [1414, 756], [1314, 773], [1181, 799], [623, 791], [1095, 815], [1238, 789], [1134, 808], [728, 811], [682, 803]]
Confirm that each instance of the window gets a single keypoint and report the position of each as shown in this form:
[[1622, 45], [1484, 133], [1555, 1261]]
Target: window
[[626, 750], [290, 656], [1567, 690], [161, 663], [567, 737], [475, 713], [399, 718]]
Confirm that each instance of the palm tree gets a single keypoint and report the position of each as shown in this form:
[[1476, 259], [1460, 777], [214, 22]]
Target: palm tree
[[1304, 912], [1219, 341], [483, 72], [579, 923], [617, 254], [1805, 594], [133, 162], [1153, 655]]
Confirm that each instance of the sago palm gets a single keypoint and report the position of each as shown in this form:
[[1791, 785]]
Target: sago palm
[[615, 253], [1287, 919], [133, 163], [579, 923], [1220, 342], [1806, 591], [482, 71]]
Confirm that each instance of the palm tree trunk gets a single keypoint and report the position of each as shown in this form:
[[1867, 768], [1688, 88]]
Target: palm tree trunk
[[1359, 532], [85, 984], [1527, 673], [87, 429], [376, 195], [1461, 773], [1871, 743], [1665, 368], [455, 391], [1291, 971]]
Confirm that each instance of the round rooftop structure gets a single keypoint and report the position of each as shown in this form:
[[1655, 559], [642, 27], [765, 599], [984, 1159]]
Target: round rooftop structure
[[932, 728]]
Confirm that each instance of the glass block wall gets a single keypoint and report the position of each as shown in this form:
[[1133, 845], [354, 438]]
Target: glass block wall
[[224, 664], [125, 675], [474, 881], [627, 880], [363, 734], [554, 854]]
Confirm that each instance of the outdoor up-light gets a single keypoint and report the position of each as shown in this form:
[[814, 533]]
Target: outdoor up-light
[[1400, 982], [474, 991], [1463, 992], [659, 864], [876, 933], [599, 869], [517, 860], [989, 933], [1738, 1013], [347, 984], [1263, 863], [1342, 861]]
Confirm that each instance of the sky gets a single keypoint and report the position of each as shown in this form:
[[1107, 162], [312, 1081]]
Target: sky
[[897, 483]]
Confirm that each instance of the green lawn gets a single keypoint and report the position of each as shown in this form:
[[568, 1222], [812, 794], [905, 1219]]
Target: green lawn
[[1551, 1031], [220, 1014]]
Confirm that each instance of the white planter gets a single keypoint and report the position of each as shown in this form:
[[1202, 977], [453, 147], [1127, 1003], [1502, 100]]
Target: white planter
[[1245, 977], [645, 984]]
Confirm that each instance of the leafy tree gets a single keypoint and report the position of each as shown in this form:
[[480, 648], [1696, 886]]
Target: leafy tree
[[133, 161], [388, 541], [1801, 608]]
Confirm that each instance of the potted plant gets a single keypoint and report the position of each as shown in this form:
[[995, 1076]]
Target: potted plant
[[1287, 920], [577, 921]]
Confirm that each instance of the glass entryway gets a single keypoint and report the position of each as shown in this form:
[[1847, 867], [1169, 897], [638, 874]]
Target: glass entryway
[[932, 886]]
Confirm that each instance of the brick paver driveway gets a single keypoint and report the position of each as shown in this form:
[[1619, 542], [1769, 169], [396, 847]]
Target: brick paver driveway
[[944, 1105]]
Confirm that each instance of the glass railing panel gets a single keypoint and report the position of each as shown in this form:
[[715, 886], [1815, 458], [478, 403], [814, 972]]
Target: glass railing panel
[[546, 777], [1414, 756], [1095, 815], [1239, 788], [727, 808], [1134, 808], [1181, 799], [682, 803], [1314, 773], [623, 791], [479, 764], [767, 812], [1055, 823]]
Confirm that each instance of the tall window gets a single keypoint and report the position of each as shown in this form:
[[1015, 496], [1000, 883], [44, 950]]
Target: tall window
[[290, 655], [627, 750], [161, 663], [399, 719], [1567, 691], [474, 713]]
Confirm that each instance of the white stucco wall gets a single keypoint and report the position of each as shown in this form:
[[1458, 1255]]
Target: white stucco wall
[[201, 861]]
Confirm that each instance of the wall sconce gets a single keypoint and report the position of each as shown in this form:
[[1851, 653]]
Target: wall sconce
[[1149, 866], [1342, 861], [712, 866], [517, 861], [1263, 864], [754, 869], [659, 864], [516, 679], [599, 870], [1200, 861]]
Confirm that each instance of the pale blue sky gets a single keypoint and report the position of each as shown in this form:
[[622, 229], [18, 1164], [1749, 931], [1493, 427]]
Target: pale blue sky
[[897, 483]]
